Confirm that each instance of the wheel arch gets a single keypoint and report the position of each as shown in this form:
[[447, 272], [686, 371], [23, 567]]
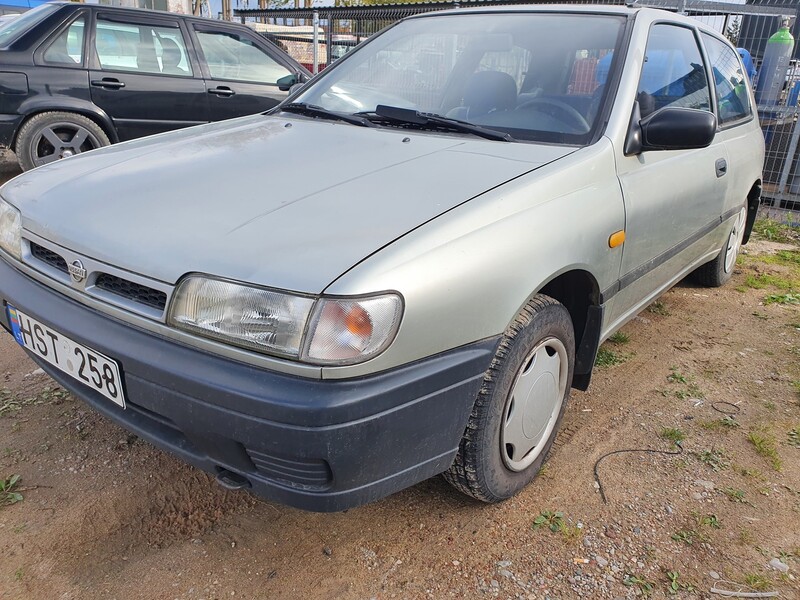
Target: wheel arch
[[579, 292], [85, 109]]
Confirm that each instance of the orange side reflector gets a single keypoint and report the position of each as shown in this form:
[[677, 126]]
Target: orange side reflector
[[616, 239]]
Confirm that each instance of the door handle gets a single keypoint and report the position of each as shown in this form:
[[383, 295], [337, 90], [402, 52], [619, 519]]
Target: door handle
[[222, 91], [108, 83], [721, 166]]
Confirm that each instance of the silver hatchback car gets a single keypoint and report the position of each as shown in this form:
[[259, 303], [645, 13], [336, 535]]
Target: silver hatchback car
[[401, 270]]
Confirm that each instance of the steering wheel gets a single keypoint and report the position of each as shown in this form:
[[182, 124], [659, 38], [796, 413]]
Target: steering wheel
[[573, 118]]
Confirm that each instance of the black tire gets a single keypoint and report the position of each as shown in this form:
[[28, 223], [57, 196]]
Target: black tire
[[480, 469], [717, 272], [49, 136]]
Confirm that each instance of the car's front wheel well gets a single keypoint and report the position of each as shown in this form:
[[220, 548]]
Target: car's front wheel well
[[579, 292]]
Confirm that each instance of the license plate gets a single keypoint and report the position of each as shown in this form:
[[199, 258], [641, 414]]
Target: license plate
[[76, 360]]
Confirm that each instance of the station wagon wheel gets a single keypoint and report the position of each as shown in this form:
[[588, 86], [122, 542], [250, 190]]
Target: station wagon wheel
[[516, 415], [51, 136], [718, 271]]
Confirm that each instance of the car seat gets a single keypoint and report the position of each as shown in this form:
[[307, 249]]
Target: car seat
[[486, 92], [171, 56]]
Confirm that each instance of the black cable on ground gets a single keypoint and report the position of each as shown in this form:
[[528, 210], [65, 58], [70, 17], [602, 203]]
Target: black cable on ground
[[726, 411], [648, 450]]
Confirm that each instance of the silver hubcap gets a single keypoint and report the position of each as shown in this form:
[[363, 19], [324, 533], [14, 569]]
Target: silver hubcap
[[533, 405], [735, 240], [61, 140]]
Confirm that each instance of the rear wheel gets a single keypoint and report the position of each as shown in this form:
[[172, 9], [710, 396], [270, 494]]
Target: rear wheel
[[718, 271], [51, 136], [519, 408]]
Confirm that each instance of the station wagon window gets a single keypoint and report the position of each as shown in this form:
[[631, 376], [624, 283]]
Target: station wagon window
[[733, 97], [141, 48], [67, 48], [234, 57], [673, 73]]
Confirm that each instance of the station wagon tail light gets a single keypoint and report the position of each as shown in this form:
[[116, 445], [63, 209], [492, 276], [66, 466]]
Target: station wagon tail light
[[321, 331], [10, 230]]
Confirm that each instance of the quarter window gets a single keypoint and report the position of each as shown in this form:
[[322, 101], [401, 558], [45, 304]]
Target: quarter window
[[673, 73], [234, 57], [67, 48], [733, 97], [141, 48]]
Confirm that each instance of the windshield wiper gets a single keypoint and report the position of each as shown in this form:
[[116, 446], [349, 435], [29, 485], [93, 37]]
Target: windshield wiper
[[414, 117], [312, 110]]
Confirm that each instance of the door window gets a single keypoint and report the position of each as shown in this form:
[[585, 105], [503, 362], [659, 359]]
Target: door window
[[234, 57], [67, 48], [673, 73], [141, 48], [733, 98]]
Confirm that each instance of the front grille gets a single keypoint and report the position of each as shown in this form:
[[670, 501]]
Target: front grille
[[48, 257], [304, 473], [132, 291]]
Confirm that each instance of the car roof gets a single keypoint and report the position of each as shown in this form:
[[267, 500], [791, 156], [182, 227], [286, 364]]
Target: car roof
[[147, 11], [586, 9]]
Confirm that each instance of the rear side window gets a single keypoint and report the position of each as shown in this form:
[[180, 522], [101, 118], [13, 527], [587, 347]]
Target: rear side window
[[67, 48], [139, 48], [673, 73], [236, 58], [733, 97]]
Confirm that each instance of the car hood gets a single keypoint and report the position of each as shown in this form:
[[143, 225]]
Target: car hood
[[289, 203]]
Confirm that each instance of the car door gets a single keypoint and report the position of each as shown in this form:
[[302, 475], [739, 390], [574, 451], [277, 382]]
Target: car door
[[736, 118], [241, 71], [673, 198], [144, 75], [61, 67]]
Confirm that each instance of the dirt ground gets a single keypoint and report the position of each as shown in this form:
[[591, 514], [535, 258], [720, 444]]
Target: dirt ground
[[104, 515]]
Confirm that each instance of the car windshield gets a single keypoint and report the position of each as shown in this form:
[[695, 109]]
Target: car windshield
[[14, 28], [538, 77]]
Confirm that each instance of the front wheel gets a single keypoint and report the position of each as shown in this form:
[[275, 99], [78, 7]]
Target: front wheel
[[718, 271], [54, 135], [517, 413]]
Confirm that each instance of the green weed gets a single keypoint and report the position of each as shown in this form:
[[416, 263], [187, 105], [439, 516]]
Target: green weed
[[8, 495], [658, 308], [713, 458], [619, 338], [782, 299], [645, 586], [676, 436], [764, 445], [793, 437], [608, 358]]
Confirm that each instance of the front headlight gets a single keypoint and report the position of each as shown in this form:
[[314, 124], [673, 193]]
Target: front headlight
[[10, 230], [322, 331]]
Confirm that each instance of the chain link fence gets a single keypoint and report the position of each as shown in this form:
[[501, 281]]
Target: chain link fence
[[316, 37]]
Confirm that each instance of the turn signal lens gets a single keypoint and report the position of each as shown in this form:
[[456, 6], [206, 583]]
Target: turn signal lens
[[349, 331]]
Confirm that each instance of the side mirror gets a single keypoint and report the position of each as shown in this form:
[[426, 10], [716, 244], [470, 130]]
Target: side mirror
[[671, 129], [286, 82], [296, 87]]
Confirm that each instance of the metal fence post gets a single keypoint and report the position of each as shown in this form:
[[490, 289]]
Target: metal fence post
[[315, 26]]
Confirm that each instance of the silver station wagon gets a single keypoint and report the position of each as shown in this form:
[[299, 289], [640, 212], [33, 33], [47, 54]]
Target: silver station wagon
[[404, 268]]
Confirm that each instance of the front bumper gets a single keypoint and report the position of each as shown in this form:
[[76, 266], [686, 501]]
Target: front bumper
[[321, 445]]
